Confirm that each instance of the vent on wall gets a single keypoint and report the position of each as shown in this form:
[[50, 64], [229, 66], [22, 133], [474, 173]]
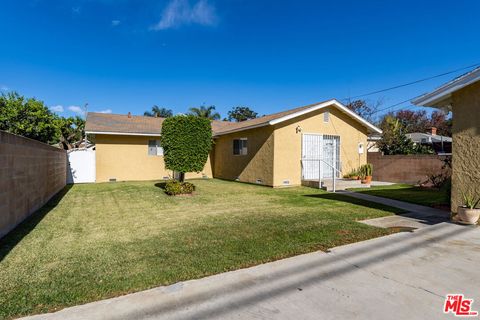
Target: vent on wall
[[286, 182], [112, 179], [259, 181], [166, 178]]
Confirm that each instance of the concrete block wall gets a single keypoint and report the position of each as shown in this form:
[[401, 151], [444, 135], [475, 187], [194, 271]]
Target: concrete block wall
[[31, 173], [410, 169]]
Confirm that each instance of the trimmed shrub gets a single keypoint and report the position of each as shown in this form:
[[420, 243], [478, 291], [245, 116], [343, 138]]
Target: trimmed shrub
[[175, 187], [186, 141]]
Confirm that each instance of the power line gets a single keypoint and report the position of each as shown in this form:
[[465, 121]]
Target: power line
[[413, 82]]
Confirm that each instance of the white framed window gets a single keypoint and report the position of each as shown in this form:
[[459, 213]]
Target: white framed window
[[240, 147], [326, 116], [154, 148]]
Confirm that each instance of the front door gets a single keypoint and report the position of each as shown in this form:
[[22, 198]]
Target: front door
[[319, 154]]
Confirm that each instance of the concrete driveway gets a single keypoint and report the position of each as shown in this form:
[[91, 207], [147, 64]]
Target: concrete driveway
[[402, 276]]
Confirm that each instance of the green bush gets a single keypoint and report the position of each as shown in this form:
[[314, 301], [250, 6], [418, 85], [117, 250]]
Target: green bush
[[175, 187], [186, 141]]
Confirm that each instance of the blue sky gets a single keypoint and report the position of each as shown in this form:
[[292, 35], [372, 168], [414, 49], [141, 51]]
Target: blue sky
[[127, 55]]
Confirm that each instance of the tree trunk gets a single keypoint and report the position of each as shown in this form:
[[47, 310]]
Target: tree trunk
[[181, 177]]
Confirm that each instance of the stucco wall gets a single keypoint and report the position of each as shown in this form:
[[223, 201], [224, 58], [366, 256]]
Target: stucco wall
[[257, 164], [466, 143], [288, 143], [126, 158], [31, 173]]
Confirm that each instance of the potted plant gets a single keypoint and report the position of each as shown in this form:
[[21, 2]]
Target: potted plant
[[368, 172], [468, 213]]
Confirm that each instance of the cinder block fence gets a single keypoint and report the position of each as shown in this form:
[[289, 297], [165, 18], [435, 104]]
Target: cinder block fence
[[415, 168], [31, 173]]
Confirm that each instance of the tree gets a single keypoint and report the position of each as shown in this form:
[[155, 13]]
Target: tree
[[205, 112], [158, 112], [420, 121], [27, 117], [239, 114], [394, 140], [186, 141], [364, 109], [71, 131]]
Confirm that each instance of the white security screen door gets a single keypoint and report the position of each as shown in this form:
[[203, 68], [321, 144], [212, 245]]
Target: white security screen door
[[317, 151]]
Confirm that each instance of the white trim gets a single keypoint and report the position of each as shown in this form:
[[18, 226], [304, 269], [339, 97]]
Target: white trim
[[332, 102], [124, 133], [434, 98]]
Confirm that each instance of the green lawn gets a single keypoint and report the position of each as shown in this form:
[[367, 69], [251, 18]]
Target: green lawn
[[102, 240], [409, 193]]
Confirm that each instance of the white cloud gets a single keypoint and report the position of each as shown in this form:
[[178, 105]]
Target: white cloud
[[181, 12], [115, 23], [57, 108], [105, 111], [78, 110]]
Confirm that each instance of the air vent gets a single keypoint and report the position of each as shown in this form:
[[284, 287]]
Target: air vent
[[112, 179], [259, 181], [286, 182], [166, 178]]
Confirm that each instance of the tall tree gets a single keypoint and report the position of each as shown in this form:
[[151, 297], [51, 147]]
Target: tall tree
[[239, 114], [394, 140], [205, 112], [365, 109], [27, 117], [158, 112], [186, 141], [71, 131]]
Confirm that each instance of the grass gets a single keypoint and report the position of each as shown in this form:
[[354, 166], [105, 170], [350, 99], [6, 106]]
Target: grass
[[102, 240], [408, 193]]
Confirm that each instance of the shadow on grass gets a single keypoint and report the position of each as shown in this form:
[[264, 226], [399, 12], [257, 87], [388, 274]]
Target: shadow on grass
[[9, 241], [161, 185], [355, 201]]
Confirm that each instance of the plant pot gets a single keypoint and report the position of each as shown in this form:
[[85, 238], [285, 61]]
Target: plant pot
[[468, 215], [368, 179]]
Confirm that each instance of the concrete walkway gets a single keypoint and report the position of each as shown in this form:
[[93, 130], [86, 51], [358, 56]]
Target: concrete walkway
[[415, 216], [401, 276]]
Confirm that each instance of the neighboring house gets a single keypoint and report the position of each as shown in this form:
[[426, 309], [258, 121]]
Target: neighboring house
[[462, 97], [442, 145], [280, 149], [372, 142]]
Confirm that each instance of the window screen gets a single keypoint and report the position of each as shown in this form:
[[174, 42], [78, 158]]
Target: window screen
[[154, 148], [240, 146]]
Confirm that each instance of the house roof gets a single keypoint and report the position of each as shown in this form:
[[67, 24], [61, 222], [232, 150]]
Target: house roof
[[430, 138], [100, 123], [441, 97]]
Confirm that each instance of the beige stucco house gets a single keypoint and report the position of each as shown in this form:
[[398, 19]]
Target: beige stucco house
[[462, 97], [282, 149]]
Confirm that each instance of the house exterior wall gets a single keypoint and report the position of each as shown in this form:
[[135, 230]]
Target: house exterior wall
[[256, 164], [288, 143], [126, 158], [466, 143]]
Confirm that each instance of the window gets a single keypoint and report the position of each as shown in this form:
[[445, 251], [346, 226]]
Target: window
[[240, 146], [154, 148], [326, 116]]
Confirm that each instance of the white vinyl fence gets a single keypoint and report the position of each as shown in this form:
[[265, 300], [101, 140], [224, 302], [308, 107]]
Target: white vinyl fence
[[81, 166]]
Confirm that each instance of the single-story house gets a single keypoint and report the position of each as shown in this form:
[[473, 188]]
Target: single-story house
[[442, 145], [282, 149], [462, 97]]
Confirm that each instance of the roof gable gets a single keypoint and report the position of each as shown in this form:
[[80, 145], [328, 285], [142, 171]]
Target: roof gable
[[440, 97]]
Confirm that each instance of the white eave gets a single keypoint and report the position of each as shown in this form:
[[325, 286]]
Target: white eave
[[440, 97], [124, 133], [322, 105]]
